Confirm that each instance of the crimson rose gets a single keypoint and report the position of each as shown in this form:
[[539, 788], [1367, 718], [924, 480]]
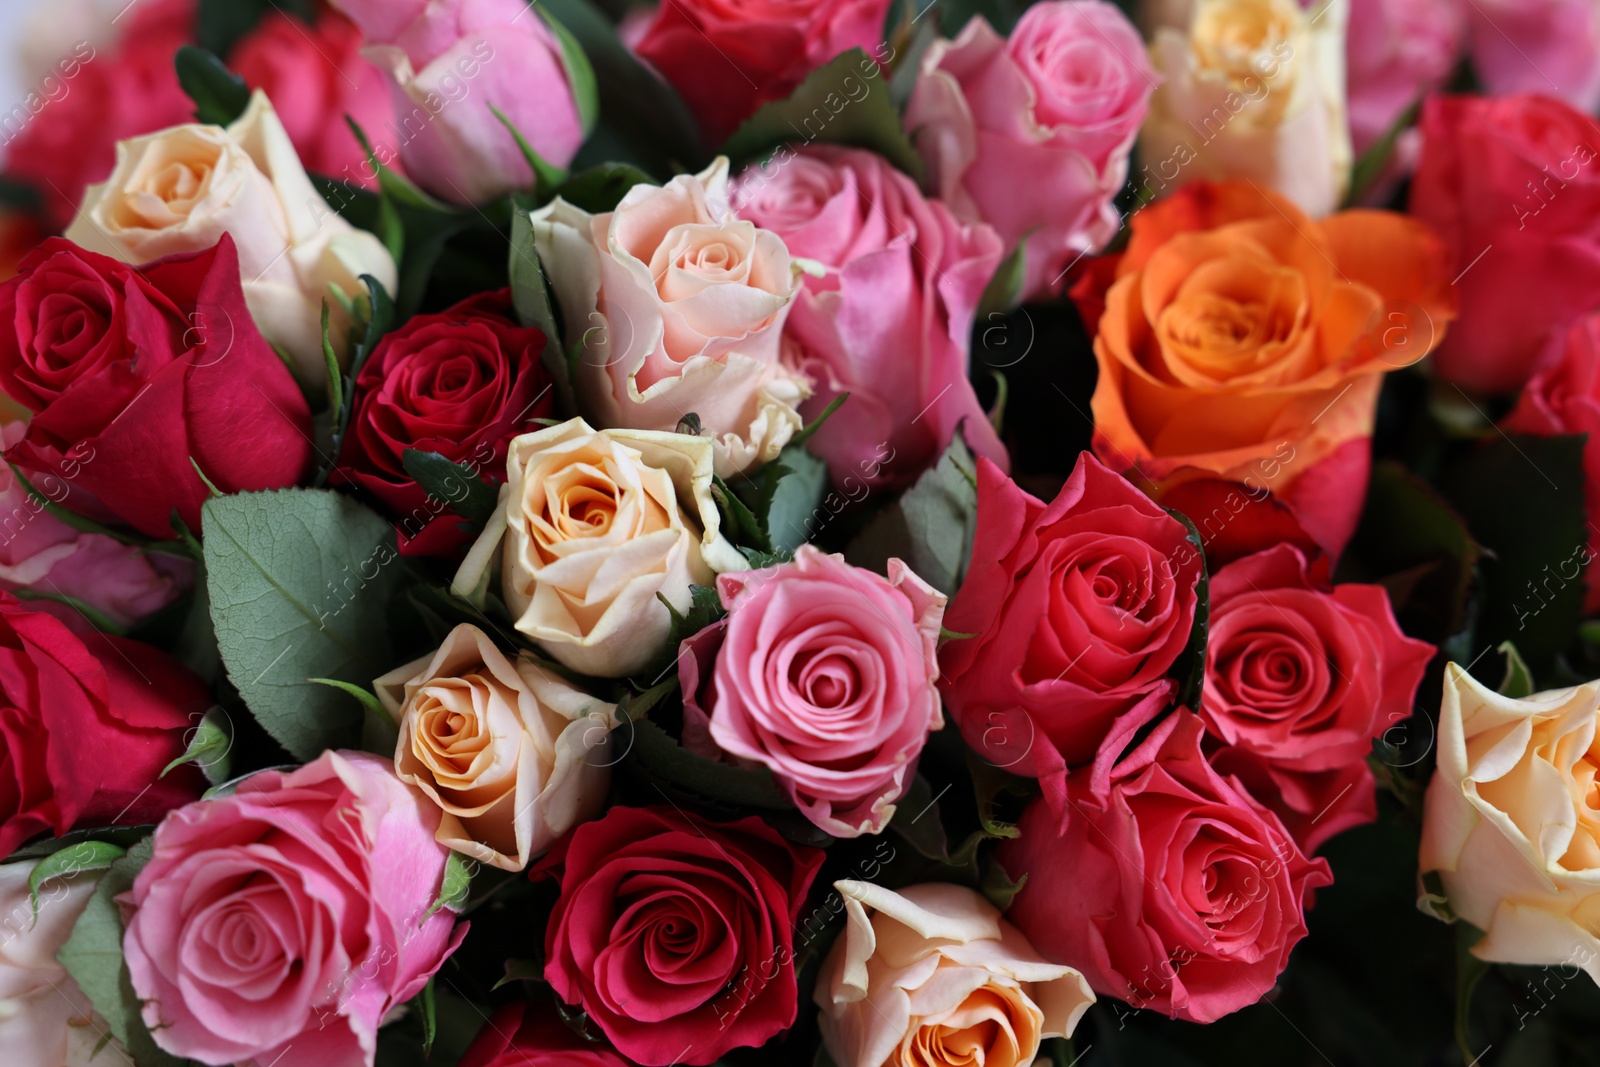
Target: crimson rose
[[87, 725], [461, 383], [676, 935], [1186, 895], [138, 377], [517, 1037]]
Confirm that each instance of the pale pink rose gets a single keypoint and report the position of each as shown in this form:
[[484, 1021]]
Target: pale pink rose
[[677, 307], [1538, 46], [1032, 134], [45, 1020], [448, 61], [825, 674], [1397, 51], [889, 317], [40, 553], [290, 915]]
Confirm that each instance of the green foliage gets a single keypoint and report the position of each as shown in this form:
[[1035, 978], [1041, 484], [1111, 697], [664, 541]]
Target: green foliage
[[930, 527], [220, 96]]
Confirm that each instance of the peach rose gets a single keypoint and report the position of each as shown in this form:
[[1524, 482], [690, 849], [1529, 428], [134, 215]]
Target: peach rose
[[181, 189], [1253, 89], [1511, 824], [1242, 338], [594, 528], [514, 755], [932, 976], [678, 307]]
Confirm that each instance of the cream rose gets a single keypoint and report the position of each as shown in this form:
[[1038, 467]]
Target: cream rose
[[513, 754], [45, 1020], [932, 976], [1251, 89], [181, 189], [592, 525], [1512, 822], [678, 307]]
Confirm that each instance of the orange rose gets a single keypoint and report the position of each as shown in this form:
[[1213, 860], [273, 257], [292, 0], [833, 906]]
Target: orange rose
[[1240, 339]]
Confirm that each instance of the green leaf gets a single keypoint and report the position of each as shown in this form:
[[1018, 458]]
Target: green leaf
[[221, 23], [798, 480], [1469, 972], [739, 523], [430, 1018], [457, 884], [682, 775], [989, 784], [580, 72], [838, 103], [930, 527], [220, 96], [379, 734], [917, 821], [331, 359], [530, 295], [300, 583], [1190, 666], [123, 836], [997, 885], [705, 608], [1371, 165], [545, 176], [599, 189], [1004, 290], [210, 747], [457, 487], [381, 318], [74, 859], [92, 955], [1518, 681], [521, 971]]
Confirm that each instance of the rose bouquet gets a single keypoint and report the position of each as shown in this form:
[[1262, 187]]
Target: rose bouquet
[[843, 533]]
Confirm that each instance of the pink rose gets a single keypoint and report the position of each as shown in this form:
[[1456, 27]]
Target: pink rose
[[448, 61], [316, 78], [1167, 885], [890, 320], [1079, 610], [1031, 134], [292, 914], [1301, 678], [1538, 46], [1396, 51], [825, 675]]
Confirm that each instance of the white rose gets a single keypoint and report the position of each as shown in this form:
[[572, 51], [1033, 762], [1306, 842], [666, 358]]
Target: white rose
[[180, 190], [513, 754], [678, 307], [592, 525], [1511, 825]]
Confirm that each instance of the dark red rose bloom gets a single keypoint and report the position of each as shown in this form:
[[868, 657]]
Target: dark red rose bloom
[[524, 1035], [87, 723], [1079, 609], [1166, 884], [1301, 677], [136, 376], [461, 383], [676, 935]]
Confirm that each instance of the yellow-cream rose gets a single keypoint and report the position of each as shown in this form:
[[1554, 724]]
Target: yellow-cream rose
[[1250, 89], [932, 976], [678, 308], [181, 189], [1512, 822], [592, 526], [512, 753]]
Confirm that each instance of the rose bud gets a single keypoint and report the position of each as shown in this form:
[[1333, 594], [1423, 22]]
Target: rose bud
[[520, 1035]]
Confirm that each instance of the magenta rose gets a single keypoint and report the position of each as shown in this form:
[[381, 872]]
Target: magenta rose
[[825, 674], [1184, 895], [293, 914], [1397, 51], [1032, 133], [1078, 609], [1538, 46], [676, 935], [890, 320], [1301, 677]]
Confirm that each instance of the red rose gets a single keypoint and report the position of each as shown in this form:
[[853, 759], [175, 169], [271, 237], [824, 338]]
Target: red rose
[[1512, 180], [676, 935], [728, 57], [113, 93], [1166, 885], [1301, 677], [516, 1036], [316, 76], [88, 723], [136, 376], [1079, 611], [461, 383], [1564, 398]]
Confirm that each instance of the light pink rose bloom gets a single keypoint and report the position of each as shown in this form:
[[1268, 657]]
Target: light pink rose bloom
[[825, 674], [448, 61], [291, 915], [1032, 134], [1396, 51], [1538, 46], [888, 319], [40, 553]]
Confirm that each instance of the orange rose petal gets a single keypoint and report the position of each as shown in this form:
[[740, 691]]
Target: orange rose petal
[[1400, 259], [1202, 206]]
